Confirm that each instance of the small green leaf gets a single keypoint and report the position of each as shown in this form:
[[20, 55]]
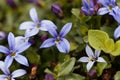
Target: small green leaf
[[48, 71], [33, 58], [72, 76], [116, 51], [73, 46], [109, 45], [76, 12], [117, 76], [66, 67], [101, 67]]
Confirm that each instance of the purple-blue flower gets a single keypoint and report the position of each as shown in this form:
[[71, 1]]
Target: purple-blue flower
[[88, 7], [58, 39], [14, 51], [116, 15], [108, 6], [10, 76], [33, 27]]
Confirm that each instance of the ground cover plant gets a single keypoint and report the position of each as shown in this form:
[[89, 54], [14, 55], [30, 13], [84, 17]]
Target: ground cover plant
[[59, 40]]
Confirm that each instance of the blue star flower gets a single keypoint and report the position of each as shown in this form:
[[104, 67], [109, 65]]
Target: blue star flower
[[14, 51], [33, 27], [10, 76], [88, 7], [108, 6], [58, 39]]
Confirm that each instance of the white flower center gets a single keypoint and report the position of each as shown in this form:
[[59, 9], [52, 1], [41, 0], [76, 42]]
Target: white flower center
[[91, 59], [57, 40]]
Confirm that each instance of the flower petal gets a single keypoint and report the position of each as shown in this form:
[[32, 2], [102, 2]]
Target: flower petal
[[33, 15], [11, 41], [53, 32], [4, 50], [103, 11], [97, 53], [27, 25], [3, 68], [2, 77], [48, 43], [66, 28], [22, 60], [117, 32], [47, 24], [100, 59], [8, 61], [89, 65], [115, 13], [20, 40], [18, 73], [22, 47], [89, 51], [84, 59], [31, 32], [66, 45], [63, 46]]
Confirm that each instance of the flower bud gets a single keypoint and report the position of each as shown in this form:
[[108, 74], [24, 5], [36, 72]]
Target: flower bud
[[11, 3], [33, 72], [56, 9], [49, 77], [92, 73], [43, 37], [3, 35]]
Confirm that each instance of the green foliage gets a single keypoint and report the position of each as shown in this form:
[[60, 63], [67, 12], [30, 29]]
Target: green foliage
[[117, 75], [100, 40], [72, 76]]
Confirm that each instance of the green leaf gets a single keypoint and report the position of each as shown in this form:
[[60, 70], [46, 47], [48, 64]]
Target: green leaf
[[66, 67], [100, 40], [109, 45], [73, 46], [76, 12], [117, 76], [116, 51], [72, 76], [33, 58], [101, 67]]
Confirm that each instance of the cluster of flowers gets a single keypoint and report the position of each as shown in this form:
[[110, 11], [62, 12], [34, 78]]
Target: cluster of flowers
[[103, 7], [106, 7], [19, 44]]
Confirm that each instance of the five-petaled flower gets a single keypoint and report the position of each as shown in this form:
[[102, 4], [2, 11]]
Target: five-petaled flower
[[10, 76], [108, 6], [92, 58], [88, 7], [58, 39], [14, 51], [33, 27]]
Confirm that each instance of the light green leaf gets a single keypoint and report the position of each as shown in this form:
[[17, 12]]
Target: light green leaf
[[116, 51], [76, 12], [100, 40], [72, 76], [109, 45], [97, 38], [101, 67], [73, 46], [117, 76], [66, 67]]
